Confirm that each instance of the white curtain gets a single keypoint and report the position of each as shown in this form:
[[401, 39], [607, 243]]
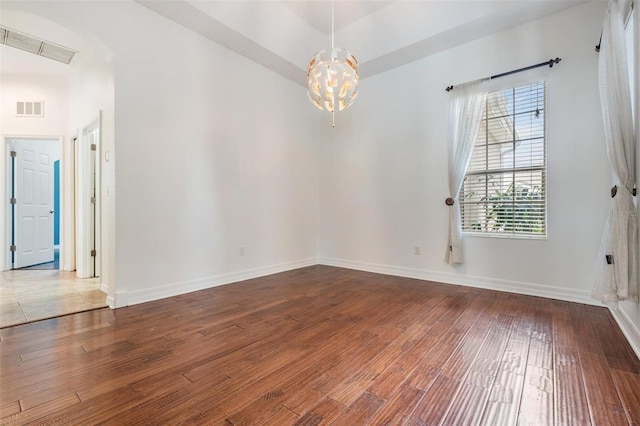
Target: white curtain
[[617, 263], [465, 115]]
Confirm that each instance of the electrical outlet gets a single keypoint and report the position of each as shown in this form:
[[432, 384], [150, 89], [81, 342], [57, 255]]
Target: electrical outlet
[[241, 251], [417, 251]]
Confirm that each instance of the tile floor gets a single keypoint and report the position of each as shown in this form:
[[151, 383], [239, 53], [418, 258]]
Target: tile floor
[[30, 295]]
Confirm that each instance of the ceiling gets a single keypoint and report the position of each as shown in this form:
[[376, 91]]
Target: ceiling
[[17, 61], [283, 35]]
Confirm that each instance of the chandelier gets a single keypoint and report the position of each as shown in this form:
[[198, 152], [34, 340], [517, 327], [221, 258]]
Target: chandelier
[[332, 77]]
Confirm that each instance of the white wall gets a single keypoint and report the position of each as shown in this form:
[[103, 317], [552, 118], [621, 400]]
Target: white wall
[[384, 176], [214, 153], [92, 97], [13, 88], [52, 90]]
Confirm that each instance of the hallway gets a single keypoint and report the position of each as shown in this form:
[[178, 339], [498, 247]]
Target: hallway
[[31, 295]]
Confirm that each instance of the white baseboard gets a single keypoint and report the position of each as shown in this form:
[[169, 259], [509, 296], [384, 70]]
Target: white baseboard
[[120, 300], [530, 289], [112, 303], [628, 328], [175, 289]]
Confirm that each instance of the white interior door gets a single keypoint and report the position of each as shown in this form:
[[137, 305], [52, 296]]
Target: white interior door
[[88, 202], [33, 217]]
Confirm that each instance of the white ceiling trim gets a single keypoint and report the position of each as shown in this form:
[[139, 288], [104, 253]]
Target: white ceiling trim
[[283, 35], [205, 25]]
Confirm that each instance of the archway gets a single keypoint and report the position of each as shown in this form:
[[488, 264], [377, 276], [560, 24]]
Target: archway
[[90, 99]]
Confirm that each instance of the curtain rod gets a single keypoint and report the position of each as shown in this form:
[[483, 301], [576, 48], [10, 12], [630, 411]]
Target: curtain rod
[[549, 63]]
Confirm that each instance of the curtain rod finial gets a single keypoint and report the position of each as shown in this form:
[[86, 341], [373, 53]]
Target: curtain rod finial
[[448, 89], [554, 61]]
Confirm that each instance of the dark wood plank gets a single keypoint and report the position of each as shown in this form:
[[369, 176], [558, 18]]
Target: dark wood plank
[[570, 401], [398, 409], [563, 334], [455, 351], [389, 381], [89, 412], [580, 321], [24, 417], [9, 409], [571, 405], [361, 411], [628, 385], [324, 345], [541, 345], [442, 373], [156, 402], [432, 409], [479, 381], [440, 320], [536, 403], [614, 347], [347, 392], [504, 400], [324, 413], [604, 403]]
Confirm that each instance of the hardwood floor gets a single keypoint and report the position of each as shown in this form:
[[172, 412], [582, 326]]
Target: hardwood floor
[[324, 345]]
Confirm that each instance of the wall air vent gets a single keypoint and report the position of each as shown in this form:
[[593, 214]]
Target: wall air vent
[[30, 109], [35, 45]]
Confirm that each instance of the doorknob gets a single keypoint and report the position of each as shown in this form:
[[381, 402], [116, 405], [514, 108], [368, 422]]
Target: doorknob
[[50, 211]]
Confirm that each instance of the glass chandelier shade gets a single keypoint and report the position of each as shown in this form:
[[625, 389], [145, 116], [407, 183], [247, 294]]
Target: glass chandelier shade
[[332, 79]]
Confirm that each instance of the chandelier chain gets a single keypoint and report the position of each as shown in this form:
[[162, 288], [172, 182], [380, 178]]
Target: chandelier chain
[[333, 28]]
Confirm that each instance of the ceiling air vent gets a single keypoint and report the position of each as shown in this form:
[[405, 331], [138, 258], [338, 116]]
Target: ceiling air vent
[[35, 45], [30, 109]]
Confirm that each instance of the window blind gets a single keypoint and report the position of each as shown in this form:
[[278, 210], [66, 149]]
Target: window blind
[[504, 191]]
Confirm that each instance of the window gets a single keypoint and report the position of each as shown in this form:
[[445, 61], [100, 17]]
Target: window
[[504, 191]]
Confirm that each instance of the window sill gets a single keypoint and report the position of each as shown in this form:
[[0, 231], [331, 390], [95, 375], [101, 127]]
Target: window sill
[[505, 236]]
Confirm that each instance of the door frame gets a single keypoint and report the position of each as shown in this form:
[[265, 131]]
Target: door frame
[[5, 193], [88, 216]]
